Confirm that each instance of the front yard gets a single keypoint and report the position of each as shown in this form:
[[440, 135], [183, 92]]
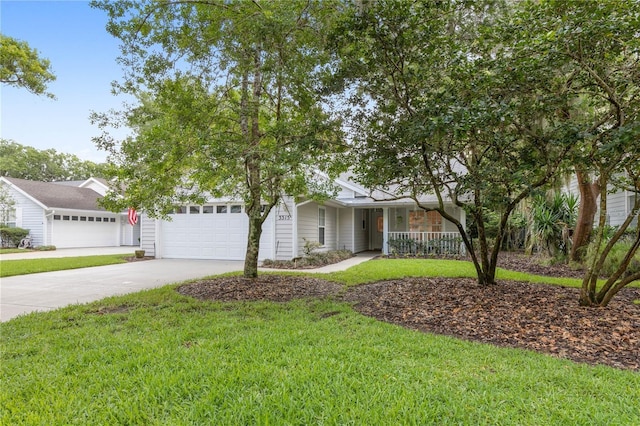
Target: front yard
[[220, 351]]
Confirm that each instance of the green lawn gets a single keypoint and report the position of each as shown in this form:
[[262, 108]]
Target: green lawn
[[10, 268], [383, 269], [159, 358]]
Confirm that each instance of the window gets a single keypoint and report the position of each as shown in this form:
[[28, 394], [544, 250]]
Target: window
[[74, 218], [65, 217], [91, 218], [321, 224], [83, 218], [105, 219], [98, 219], [180, 210], [236, 209], [207, 209], [8, 217], [56, 217], [194, 209], [221, 209], [112, 220]]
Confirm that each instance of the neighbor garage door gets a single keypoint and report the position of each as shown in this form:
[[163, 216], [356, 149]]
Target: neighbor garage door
[[84, 230], [210, 232]]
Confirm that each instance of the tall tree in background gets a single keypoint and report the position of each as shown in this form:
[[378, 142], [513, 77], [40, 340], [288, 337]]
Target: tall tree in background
[[596, 46], [447, 105], [25, 162], [229, 104], [21, 66]]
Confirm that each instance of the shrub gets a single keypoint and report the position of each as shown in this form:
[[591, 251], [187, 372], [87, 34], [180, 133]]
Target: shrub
[[45, 248], [315, 260], [11, 237], [615, 257]]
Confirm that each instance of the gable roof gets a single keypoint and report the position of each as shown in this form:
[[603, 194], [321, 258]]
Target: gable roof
[[54, 195]]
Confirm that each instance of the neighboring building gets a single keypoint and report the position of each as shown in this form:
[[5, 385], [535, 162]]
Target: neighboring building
[[619, 203], [67, 214], [352, 220]]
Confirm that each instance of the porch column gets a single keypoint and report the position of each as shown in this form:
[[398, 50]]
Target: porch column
[[385, 230]]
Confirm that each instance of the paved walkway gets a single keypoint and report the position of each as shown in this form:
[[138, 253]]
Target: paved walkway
[[51, 290]]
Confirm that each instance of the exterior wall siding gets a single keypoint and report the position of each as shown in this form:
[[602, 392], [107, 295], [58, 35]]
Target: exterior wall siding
[[617, 208], [283, 232], [345, 229], [147, 235], [308, 226], [30, 216]]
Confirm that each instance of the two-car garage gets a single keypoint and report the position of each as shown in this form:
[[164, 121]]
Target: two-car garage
[[84, 229], [212, 231]]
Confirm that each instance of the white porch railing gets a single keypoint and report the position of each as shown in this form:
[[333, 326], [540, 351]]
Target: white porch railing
[[424, 243]]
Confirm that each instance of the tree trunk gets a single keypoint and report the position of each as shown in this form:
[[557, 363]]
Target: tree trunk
[[586, 213], [253, 243]]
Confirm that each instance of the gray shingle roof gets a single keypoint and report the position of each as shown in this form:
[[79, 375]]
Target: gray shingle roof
[[54, 195]]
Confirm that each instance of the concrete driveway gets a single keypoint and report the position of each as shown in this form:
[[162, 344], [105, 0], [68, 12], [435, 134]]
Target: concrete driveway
[[50, 290]]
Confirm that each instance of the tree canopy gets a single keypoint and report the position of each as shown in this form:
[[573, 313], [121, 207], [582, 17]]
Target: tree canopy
[[229, 104], [22, 66], [25, 162]]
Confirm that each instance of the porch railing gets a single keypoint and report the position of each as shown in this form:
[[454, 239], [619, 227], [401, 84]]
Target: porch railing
[[425, 243]]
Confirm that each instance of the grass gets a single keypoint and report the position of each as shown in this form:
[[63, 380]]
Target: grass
[[159, 358], [11, 250], [384, 269], [10, 268]]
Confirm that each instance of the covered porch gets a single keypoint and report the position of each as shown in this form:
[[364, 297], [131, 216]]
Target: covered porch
[[401, 229]]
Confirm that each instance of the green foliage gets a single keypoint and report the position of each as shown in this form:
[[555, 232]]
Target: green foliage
[[313, 260], [25, 162], [7, 205], [230, 104], [550, 219], [11, 237], [310, 246], [615, 257], [160, 358], [21, 66], [10, 268], [468, 115]]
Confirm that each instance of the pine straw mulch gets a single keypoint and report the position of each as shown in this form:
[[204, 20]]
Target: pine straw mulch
[[543, 318]]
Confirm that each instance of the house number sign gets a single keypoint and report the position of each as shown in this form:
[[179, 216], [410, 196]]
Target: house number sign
[[284, 217]]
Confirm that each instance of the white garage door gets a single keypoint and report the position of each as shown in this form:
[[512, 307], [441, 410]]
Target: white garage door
[[211, 232], [84, 230]]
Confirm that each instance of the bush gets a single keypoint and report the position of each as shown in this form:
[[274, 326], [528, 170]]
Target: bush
[[615, 257], [315, 260], [45, 248], [11, 237]]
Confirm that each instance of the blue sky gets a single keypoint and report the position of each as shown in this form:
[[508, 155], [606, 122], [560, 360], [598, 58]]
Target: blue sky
[[83, 57]]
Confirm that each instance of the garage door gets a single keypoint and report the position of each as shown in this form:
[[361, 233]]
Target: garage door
[[70, 230], [210, 232]]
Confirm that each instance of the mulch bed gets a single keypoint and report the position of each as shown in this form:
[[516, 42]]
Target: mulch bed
[[544, 318]]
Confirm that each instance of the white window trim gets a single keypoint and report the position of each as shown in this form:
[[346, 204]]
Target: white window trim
[[322, 225]]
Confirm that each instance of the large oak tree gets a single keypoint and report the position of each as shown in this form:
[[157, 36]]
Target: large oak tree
[[444, 105], [229, 104]]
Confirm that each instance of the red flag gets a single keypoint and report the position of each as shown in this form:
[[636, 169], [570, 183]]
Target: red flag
[[133, 216]]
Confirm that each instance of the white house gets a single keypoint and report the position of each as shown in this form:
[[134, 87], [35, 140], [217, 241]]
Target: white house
[[352, 220], [67, 214], [619, 203]]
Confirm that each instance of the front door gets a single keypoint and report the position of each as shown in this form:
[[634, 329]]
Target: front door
[[376, 230]]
